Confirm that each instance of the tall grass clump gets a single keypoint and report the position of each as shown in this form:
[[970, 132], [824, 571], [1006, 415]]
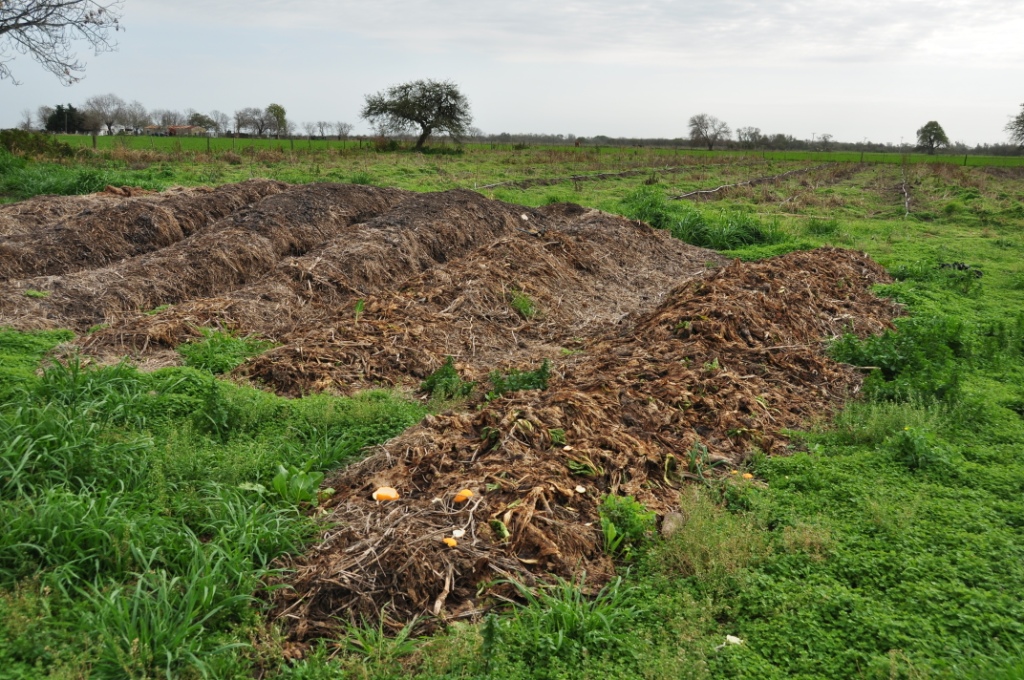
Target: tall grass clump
[[220, 351], [720, 230], [713, 547], [557, 629]]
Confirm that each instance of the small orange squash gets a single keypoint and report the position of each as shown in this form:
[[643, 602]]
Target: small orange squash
[[463, 496], [385, 493], [450, 542]]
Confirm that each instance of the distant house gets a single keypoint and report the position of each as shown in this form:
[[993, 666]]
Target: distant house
[[157, 130], [185, 131]]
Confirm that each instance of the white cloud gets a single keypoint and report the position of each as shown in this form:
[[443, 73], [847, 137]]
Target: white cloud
[[649, 31]]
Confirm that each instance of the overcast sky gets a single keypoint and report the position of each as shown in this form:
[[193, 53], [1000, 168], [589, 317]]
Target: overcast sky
[[855, 69]]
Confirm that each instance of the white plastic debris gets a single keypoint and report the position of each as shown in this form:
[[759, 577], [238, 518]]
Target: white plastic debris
[[729, 640]]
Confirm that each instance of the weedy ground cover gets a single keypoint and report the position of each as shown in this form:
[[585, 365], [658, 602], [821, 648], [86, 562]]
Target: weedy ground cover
[[139, 511]]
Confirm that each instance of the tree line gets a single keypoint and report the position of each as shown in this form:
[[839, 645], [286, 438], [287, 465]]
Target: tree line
[[110, 114], [420, 108]]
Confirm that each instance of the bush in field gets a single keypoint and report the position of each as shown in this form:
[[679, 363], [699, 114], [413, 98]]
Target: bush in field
[[919, 360], [33, 144]]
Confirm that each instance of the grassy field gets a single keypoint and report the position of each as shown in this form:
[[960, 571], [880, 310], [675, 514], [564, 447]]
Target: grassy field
[[161, 162], [216, 145], [138, 512]]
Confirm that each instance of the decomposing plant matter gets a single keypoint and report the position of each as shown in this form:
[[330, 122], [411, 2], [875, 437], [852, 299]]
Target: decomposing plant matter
[[628, 415]]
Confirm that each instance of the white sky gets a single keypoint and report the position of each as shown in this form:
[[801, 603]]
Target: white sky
[[853, 68]]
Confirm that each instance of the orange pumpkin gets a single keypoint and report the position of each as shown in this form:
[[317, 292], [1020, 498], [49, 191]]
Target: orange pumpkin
[[463, 496], [385, 493]]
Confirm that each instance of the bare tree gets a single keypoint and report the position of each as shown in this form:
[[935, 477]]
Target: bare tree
[[45, 30], [168, 117], [43, 114], [254, 119], [749, 137], [136, 116], [323, 126], [707, 130], [221, 121], [26, 120], [1016, 128], [241, 120], [107, 108], [343, 130]]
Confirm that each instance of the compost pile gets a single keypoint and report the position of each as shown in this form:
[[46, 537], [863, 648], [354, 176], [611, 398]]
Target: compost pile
[[718, 368], [666, 363], [360, 286]]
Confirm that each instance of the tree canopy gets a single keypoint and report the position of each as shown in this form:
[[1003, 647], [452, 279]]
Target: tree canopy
[[277, 117], [1016, 128], [706, 130], [931, 136], [430, 105], [108, 109], [65, 119], [46, 29]]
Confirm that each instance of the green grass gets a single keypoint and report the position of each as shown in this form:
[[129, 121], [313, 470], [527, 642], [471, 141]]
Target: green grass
[[220, 351], [142, 509]]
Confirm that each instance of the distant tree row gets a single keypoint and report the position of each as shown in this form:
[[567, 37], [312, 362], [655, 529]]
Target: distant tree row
[[421, 108], [111, 114]]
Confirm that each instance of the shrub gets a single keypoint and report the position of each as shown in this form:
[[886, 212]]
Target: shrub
[[914, 448], [919, 360], [32, 143], [514, 380], [446, 383]]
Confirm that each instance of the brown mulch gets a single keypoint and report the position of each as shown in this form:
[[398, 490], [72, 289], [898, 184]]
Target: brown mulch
[[102, 234], [718, 370], [436, 275], [228, 254]]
